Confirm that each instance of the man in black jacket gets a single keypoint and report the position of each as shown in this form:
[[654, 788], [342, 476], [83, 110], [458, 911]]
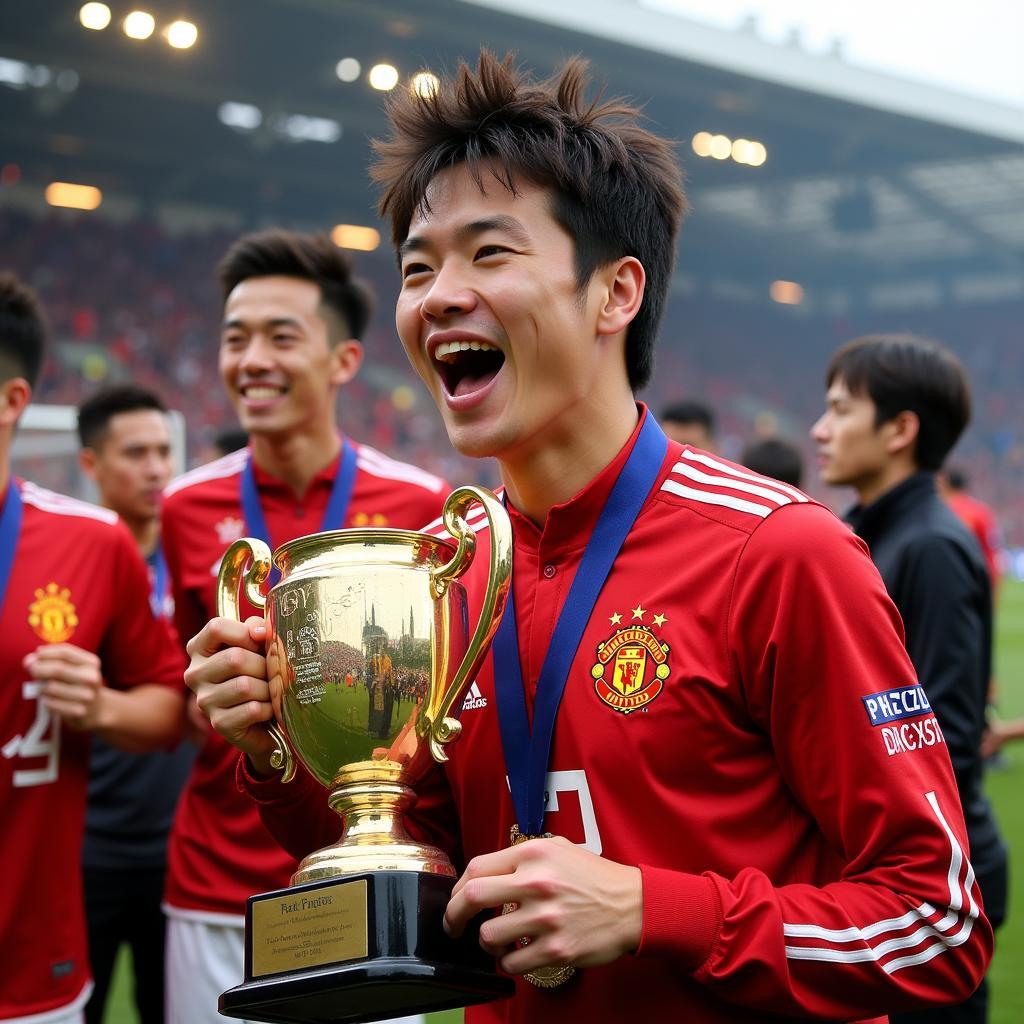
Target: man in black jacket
[[895, 406]]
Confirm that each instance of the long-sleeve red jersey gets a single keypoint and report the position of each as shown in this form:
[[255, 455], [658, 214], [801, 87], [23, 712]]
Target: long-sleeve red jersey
[[742, 722]]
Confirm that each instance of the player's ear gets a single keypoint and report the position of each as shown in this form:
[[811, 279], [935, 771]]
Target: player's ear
[[621, 287], [902, 431], [15, 394], [87, 462], [346, 358]]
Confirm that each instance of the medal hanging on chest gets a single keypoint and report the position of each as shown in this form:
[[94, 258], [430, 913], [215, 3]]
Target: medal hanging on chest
[[527, 751]]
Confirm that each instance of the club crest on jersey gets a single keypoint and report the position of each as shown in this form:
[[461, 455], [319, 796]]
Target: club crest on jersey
[[230, 529], [632, 665], [52, 615]]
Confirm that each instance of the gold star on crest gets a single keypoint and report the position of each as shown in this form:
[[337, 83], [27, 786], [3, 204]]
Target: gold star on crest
[[660, 620], [616, 618], [639, 611]]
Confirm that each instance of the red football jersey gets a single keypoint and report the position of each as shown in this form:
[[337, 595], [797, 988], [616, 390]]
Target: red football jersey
[[981, 521], [77, 578], [219, 852], [742, 723]]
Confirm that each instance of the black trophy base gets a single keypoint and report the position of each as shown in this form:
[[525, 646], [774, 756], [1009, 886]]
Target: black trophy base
[[410, 966]]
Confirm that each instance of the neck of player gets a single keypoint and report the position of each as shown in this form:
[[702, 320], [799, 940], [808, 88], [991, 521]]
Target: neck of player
[[893, 474], [297, 457], [146, 533], [571, 451]]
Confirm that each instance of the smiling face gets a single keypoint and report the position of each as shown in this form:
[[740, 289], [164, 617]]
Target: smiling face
[[277, 360], [493, 321]]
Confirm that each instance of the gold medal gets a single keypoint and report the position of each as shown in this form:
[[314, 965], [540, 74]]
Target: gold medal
[[541, 977]]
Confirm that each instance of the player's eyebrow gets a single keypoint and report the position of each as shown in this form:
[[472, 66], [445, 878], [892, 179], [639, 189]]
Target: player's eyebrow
[[503, 223], [277, 321]]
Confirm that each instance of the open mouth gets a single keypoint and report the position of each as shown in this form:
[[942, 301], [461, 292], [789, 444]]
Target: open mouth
[[467, 366], [262, 392]]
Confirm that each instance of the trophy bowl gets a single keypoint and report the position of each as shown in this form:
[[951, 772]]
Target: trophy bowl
[[369, 655]]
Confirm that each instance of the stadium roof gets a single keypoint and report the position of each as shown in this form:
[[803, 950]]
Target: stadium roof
[[874, 189]]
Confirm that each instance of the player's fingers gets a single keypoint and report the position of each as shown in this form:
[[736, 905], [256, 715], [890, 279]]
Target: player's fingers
[[57, 669], [219, 633], [224, 665], [68, 653], [478, 894], [233, 692], [501, 862], [72, 711], [242, 724]]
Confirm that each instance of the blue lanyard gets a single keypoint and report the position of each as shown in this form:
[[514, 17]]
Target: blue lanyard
[[337, 504], [157, 597], [527, 752], [10, 527]]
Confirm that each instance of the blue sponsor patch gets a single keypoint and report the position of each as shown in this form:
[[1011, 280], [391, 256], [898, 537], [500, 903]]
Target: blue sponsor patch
[[892, 705]]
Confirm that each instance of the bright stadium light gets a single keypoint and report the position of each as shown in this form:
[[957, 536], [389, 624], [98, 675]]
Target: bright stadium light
[[303, 128], [741, 151], [720, 147], [425, 84], [354, 236], [757, 154], [74, 197], [94, 16], [384, 77], [787, 293], [139, 25], [182, 35], [348, 69], [243, 116], [701, 143]]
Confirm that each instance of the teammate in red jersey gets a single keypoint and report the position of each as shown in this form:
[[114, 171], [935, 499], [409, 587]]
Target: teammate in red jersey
[[738, 836], [976, 516], [293, 313], [82, 652]]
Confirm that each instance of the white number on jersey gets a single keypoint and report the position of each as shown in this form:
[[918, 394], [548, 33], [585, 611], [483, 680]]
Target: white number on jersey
[[36, 743], [575, 781]]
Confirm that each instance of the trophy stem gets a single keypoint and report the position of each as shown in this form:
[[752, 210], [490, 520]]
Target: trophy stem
[[372, 802]]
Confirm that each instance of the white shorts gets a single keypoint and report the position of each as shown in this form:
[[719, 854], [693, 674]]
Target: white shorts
[[205, 959], [72, 1013]]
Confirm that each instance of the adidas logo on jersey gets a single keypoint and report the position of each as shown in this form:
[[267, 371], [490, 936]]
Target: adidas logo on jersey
[[475, 700]]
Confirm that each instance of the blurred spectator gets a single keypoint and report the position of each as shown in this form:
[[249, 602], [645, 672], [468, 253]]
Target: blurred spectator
[[690, 422], [775, 457], [976, 516]]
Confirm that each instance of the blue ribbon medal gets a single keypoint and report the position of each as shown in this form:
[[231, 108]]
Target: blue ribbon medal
[[527, 752], [337, 504], [10, 527]]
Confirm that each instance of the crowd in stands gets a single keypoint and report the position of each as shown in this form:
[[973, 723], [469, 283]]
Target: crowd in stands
[[129, 301]]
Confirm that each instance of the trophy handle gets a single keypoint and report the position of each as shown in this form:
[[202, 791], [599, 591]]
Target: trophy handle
[[230, 577], [442, 728]]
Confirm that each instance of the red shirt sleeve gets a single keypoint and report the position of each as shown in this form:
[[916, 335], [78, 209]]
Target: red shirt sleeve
[[138, 647], [811, 634]]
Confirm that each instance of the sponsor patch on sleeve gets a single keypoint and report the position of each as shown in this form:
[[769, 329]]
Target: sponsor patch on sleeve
[[892, 705]]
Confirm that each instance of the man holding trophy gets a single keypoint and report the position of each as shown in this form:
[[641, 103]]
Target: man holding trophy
[[677, 789], [293, 314]]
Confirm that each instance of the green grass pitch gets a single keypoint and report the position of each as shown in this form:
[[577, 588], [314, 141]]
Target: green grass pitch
[[1005, 787]]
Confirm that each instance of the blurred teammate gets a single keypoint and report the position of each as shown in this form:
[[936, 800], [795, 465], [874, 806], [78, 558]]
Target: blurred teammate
[[126, 451], [732, 840], [895, 406], [976, 516], [690, 422], [775, 457], [293, 314], [82, 651]]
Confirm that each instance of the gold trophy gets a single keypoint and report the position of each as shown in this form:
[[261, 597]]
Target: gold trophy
[[369, 655]]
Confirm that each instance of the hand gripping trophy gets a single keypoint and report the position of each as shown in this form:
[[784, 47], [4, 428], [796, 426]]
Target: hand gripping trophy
[[369, 655]]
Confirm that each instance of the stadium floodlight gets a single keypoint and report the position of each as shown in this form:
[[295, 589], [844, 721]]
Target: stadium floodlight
[[720, 147], [348, 69], [94, 16], [383, 77], [786, 293], [701, 143], [354, 236], [139, 25], [741, 150], [425, 84], [72, 196], [182, 35], [757, 154], [243, 116], [303, 128]]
